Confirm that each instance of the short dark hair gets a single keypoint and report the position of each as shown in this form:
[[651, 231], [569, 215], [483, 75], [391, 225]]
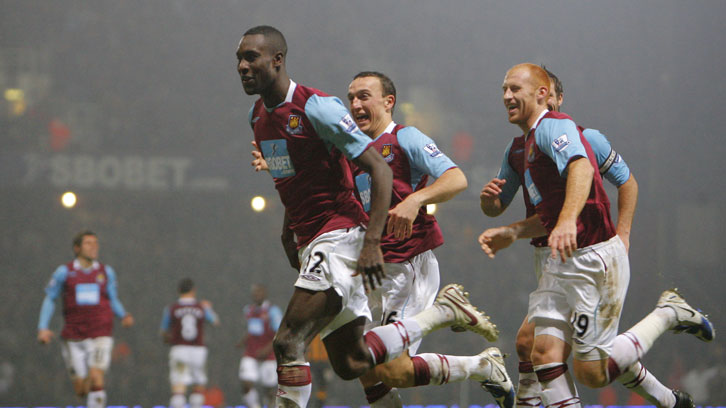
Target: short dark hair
[[186, 285], [558, 84], [386, 83], [274, 37], [78, 238]]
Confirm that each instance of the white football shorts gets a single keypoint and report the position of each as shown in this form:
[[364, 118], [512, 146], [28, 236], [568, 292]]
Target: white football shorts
[[329, 261], [408, 288], [187, 365], [587, 292], [258, 372], [80, 355]]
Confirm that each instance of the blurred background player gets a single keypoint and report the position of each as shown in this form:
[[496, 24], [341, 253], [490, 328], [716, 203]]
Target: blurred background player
[[88, 291], [182, 326], [258, 366]]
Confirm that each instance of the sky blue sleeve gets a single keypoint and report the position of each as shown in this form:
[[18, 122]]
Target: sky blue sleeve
[[423, 154], [210, 315], [560, 140], [249, 117], [612, 167], [506, 172], [165, 320], [335, 126], [116, 306], [275, 317], [52, 290]]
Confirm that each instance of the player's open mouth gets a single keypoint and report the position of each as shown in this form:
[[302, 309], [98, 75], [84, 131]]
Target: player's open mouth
[[511, 108], [361, 118]]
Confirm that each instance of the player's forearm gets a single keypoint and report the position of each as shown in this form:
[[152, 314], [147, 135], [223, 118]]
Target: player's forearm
[[46, 313], [627, 201], [579, 181], [446, 187], [528, 228], [381, 186]]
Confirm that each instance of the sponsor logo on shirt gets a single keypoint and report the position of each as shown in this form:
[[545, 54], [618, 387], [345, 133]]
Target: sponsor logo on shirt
[[294, 126], [278, 158], [534, 196], [348, 124], [310, 277], [363, 184], [432, 150], [561, 143], [387, 153]]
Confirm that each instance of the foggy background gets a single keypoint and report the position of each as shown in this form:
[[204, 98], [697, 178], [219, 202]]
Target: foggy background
[[137, 107]]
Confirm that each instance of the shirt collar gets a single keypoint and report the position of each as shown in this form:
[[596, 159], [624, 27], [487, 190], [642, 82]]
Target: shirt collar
[[288, 98], [77, 265], [534, 125], [388, 129]]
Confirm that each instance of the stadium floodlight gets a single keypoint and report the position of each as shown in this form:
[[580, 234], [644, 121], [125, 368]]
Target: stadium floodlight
[[258, 203], [68, 199]]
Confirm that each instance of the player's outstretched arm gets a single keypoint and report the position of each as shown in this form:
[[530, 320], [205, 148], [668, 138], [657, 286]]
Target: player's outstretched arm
[[627, 201], [489, 200], [370, 260], [447, 186], [563, 238], [496, 239]]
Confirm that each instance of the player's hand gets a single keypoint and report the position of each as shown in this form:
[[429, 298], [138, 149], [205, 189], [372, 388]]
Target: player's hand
[[370, 265], [491, 191], [45, 336], [205, 304], [563, 239], [495, 239], [127, 320], [258, 162], [401, 218]]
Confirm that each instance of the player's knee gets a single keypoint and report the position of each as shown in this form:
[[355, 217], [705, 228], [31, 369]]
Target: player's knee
[[590, 374], [524, 345], [288, 348], [349, 366]]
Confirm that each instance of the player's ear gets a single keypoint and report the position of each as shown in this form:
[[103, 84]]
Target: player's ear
[[390, 101], [278, 60]]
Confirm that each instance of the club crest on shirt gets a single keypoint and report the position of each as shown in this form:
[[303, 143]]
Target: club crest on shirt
[[432, 150], [530, 153], [294, 126], [100, 278], [387, 153], [561, 143]]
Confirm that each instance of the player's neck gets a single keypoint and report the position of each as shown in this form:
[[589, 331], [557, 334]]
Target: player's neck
[[277, 91], [532, 120], [380, 127], [85, 262]]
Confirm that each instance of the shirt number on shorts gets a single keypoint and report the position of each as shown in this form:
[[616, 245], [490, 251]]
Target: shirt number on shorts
[[316, 266], [581, 322]]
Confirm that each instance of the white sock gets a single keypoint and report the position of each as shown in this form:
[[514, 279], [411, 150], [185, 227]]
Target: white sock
[[559, 391], [294, 385], [251, 399], [196, 400], [177, 401], [445, 368], [390, 341], [641, 337], [96, 399], [529, 388], [392, 399], [642, 382], [434, 317]]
